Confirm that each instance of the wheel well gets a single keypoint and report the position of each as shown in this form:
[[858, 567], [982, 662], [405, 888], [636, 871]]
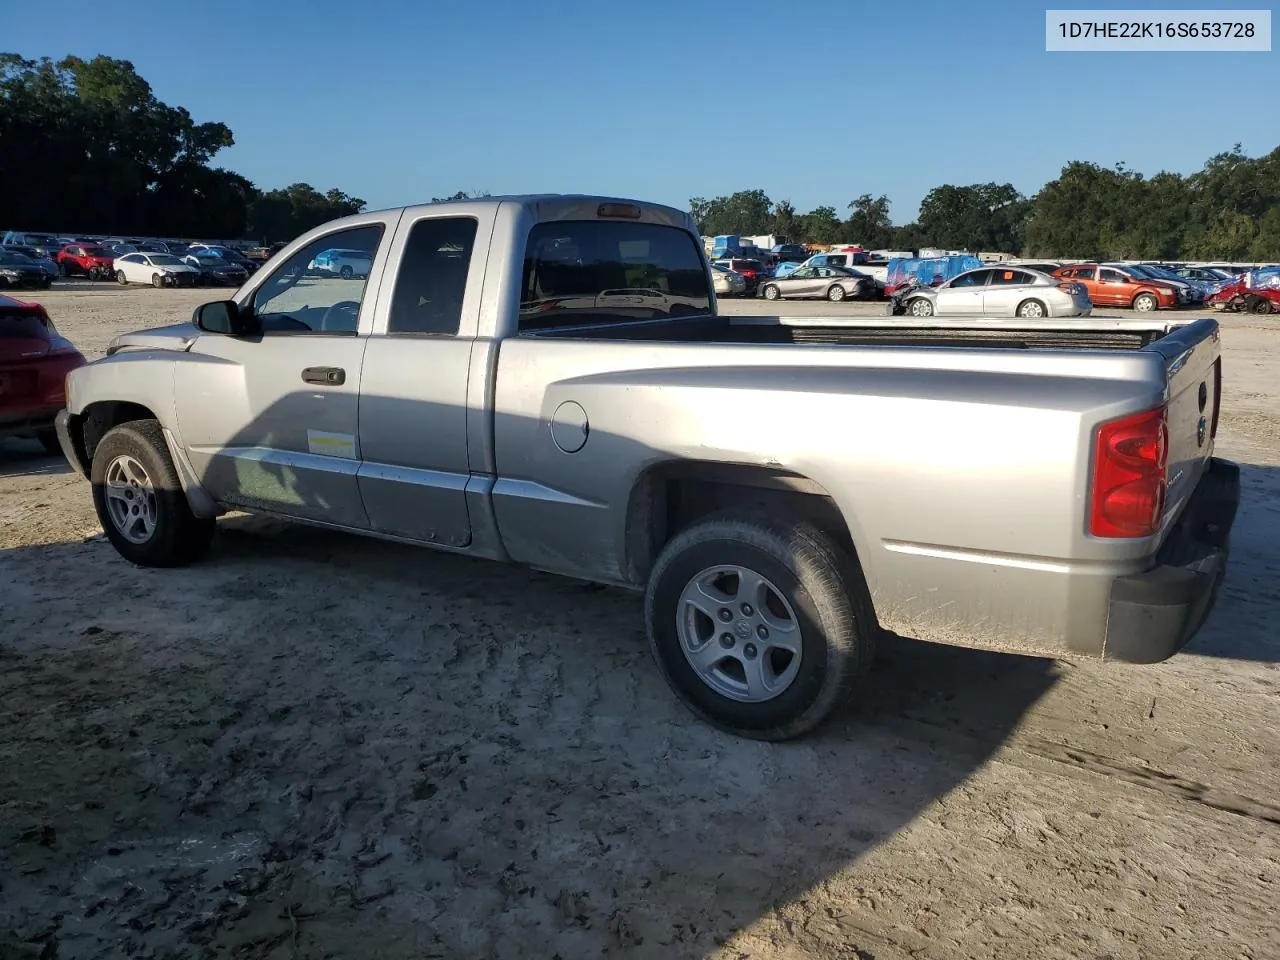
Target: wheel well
[[669, 497], [98, 418]]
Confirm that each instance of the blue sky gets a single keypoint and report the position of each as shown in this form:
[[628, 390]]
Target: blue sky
[[397, 101]]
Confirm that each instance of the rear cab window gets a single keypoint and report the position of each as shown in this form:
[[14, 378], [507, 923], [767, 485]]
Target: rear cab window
[[586, 272]]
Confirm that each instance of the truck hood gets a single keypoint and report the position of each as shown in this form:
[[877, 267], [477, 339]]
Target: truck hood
[[178, 337]]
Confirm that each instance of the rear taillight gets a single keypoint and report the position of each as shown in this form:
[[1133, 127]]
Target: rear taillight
[[1067, 286], [1130, 461], [1217, 396]]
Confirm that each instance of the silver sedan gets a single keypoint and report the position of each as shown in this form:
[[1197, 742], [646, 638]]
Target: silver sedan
[[726, 282], [833, 283], [1001, 292]]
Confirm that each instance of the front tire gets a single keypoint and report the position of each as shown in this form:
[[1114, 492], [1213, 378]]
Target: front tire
[[760, 625], [157, 281], [771, 292], [140, 502], [1145, 303], [920, 307], [1260, 305]]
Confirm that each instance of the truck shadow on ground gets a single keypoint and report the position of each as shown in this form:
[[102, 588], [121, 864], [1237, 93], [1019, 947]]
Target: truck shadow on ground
[[323, 745], [27, 458]]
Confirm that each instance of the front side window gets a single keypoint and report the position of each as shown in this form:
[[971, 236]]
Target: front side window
[[433, 277], [297, 298], [1113, 276], [604, 271], [976, 279]]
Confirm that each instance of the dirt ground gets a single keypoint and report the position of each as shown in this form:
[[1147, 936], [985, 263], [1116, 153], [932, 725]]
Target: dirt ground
[[313, 745]]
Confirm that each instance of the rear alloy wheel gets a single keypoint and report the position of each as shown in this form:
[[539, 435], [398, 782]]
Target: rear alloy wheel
[[1145, 303], [139, 499], [835, 293], [771, 292], [1032, 310], [920, 307], [760, 624]]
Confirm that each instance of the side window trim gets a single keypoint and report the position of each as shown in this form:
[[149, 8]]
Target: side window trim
[[485, 213], [368, 292]]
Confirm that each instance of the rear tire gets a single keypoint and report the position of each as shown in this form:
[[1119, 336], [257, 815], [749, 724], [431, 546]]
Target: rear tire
[[1032, 310], [835, 293], [176, 536], [811, 596], [771, 292], [346, 273]]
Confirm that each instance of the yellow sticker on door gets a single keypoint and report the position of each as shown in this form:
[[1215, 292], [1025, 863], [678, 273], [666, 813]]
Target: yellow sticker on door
[[332, 444]]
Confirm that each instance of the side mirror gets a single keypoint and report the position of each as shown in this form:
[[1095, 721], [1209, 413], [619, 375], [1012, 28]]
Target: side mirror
[[224, 317]]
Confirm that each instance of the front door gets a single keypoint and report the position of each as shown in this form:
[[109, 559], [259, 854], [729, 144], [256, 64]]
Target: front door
[[271, 422], [963, 295]]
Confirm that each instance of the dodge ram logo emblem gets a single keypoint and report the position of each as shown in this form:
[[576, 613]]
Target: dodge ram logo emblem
[[1201, 429]]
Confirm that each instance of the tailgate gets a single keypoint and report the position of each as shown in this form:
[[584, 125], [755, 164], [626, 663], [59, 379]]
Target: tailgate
[[1193, 364]]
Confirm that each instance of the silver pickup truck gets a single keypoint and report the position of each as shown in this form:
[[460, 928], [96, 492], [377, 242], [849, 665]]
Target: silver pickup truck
[[545, 380]]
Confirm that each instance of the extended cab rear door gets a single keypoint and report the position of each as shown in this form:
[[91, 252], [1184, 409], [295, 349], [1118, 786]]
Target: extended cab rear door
[[413, 420]]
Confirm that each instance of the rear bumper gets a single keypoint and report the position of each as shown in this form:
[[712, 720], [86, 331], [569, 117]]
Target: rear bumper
[[1154, 614]]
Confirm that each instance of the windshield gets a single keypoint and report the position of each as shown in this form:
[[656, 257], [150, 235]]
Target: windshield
[[164, 260], [17, 259]]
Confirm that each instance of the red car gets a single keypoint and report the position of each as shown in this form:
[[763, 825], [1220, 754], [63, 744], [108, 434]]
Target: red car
[[34, 362], [85, 260], [1237, 297]]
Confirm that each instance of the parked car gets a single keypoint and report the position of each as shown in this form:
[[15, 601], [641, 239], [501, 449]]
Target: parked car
[[45, 244], [1189, 292], [833, 283], [726, 283], [47, 264], [752, 271], [214, 269], [230, 255], [790, 253], [567, 411], [34, 362], [1116, 287], [1000, 292], [86, 261], [1209, 275], [157, 269], [18, 270], [341, 263]]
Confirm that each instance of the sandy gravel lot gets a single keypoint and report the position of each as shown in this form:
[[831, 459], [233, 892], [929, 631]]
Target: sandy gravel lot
[[313, 745]]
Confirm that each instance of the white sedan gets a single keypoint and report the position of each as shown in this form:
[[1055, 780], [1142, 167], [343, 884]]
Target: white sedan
[[157, 269], [1000, 292]]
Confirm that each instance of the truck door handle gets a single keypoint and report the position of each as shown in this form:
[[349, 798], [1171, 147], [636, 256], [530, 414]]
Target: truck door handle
[[325, 376]]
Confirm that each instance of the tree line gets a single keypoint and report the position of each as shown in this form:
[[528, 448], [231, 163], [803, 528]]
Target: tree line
[[1229, 210], [85, 145]]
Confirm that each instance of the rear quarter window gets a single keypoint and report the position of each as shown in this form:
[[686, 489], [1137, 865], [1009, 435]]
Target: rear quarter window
[[581, 272]]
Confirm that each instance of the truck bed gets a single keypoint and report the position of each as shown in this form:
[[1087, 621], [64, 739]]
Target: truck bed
[[1006, 334]]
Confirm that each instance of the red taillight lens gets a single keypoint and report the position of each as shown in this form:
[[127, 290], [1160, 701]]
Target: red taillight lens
[[1130, 461]]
